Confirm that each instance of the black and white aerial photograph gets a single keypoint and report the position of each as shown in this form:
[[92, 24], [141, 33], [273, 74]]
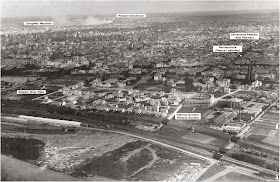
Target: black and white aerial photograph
[[140, 90]]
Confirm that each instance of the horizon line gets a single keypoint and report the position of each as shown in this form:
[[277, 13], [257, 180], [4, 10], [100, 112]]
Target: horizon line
[[175, 12]]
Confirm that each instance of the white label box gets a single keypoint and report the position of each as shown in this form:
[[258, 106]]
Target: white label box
[[188, 116], [227, 48], [38, 23], [250, 36], [131, 16], [31, 91]]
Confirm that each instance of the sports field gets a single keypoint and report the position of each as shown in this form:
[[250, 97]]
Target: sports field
[[197, 137]]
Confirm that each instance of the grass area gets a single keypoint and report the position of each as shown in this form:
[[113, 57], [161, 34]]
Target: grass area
[[211, 171], [169, 162], [260, 131], [234, 176], [139, 160], [174, 132], [256, 137], [272, 140], [109, 164], [197, 137], [218, 142]]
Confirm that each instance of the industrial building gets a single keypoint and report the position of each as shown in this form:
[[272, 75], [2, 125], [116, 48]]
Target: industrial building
[[224, 118], [199, 100], [237, 126], [235, 103], [254, 107]]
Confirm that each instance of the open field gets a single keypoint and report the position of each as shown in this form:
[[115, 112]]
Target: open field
[[235, 176], [259, 131], [256, 137], [174, 131], [96, 155], [272, 140], [184, 133], [264, 135], [197, 137]]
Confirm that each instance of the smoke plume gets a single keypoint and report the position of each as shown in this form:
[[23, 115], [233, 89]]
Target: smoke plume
[[95, 21]]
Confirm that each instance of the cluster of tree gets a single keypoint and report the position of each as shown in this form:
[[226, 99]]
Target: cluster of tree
[[256, 161], [21, 148], [230, 132], [255, 146], [248, 158], [259, 153], [29, 66], [212, 132], [53, 109], [274, 167], [55, 74], [234, 139], [14, 72], [56, 55]]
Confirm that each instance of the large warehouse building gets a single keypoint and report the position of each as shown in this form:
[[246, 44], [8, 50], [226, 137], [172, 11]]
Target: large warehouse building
[[198, 100], [54, 122]]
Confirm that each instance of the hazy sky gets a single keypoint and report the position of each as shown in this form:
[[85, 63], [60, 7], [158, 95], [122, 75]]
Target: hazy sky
[[22, 8]]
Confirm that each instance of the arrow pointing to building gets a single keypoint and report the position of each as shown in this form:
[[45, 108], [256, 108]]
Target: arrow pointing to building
[[239, 54], [256, 43]]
